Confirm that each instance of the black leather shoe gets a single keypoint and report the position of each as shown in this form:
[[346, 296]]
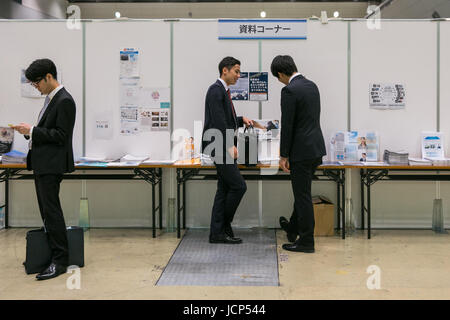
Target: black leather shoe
[[297, 247], [229, 232], [52, 271], [285, 226], [225, 239]]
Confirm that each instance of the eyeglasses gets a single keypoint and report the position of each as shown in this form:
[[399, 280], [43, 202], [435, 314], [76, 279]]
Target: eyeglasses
[[36, 83]]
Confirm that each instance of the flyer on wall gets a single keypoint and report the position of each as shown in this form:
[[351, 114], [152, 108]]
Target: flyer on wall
[[239, 91], [129, 63], [259, 86], [387, 96], [129, 124]]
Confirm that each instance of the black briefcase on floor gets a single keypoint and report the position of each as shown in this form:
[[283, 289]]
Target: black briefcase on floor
[[39, 255]]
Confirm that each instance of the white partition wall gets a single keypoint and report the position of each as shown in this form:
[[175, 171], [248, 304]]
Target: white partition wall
[[104, 41], [23, 42], [399, 52], [185, 55], [444, 104]]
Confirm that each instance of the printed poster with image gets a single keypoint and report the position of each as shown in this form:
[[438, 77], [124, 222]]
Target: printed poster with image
[[432, 145]]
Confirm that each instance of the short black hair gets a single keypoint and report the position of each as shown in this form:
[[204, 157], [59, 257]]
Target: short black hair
[[283, 64], [39, 68], [228, 62]]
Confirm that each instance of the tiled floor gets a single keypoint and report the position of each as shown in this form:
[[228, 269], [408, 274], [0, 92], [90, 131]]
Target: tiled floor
[[126, 263]]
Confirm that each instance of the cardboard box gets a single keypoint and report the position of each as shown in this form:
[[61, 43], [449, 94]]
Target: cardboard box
[[323, 216]]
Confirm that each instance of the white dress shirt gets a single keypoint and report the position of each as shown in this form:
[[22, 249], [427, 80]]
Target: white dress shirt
[[293, 76], [224, 84]]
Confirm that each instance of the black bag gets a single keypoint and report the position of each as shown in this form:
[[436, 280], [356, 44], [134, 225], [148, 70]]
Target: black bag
[[39, 254], [248, 147]]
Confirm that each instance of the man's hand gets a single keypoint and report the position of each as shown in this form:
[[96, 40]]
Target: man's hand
[[23, 128], [247, 121], [233, 151], [284, 164]]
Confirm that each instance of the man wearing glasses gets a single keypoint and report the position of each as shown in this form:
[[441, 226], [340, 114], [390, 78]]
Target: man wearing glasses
[[50, 155]]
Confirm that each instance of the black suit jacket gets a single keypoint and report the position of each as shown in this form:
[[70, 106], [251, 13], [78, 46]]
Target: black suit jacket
[[219, 115], [301, 136], [51, 151]]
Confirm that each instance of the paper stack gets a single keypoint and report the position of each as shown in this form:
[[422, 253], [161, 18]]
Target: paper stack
[[396, 158], [438, 161], [14, 157], [132, 160], [419, 162]]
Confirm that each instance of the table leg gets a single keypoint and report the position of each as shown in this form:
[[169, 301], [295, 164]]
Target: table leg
[[160, 199], [6, 203], [178, 203], [153, 211], [368, 211], [362, 199], [338, 205], [184, 204], [343, 203]]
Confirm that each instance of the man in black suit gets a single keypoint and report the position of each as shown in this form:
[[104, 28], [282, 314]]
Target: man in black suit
[[50, 155], [220, 127], [301, 148]]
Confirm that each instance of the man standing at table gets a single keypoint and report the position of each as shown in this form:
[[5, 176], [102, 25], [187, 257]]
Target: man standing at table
[[220, 121], [50, 155], [301, 148]]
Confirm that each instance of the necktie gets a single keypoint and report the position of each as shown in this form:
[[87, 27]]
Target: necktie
[[46, 102], [232, 106]]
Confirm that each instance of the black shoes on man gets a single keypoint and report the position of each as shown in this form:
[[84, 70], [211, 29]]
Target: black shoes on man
[[296, 246], [227, 238], [52, 271]]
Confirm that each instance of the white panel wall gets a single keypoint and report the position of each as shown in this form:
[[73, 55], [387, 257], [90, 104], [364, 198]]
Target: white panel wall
[[104, 40], [25, 42], [403, 52], [445, 107]]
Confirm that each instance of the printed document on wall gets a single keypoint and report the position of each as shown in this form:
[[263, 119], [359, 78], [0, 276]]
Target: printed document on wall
[[129, 63], [103, 129], [129, 124], [387, 96]]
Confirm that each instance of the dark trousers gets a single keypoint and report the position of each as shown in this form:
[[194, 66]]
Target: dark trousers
[[231, 187], [47, 191], [302, 219]]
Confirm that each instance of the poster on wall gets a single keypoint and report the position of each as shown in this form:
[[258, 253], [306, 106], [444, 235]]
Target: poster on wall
[[251, 86], [129, 124], [26, 89], [432, 145], [259, 86], [129, 63], [385, 96], [239, 91]]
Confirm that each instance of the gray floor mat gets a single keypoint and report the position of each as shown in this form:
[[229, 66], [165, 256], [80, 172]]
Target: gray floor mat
[[196, 262]]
